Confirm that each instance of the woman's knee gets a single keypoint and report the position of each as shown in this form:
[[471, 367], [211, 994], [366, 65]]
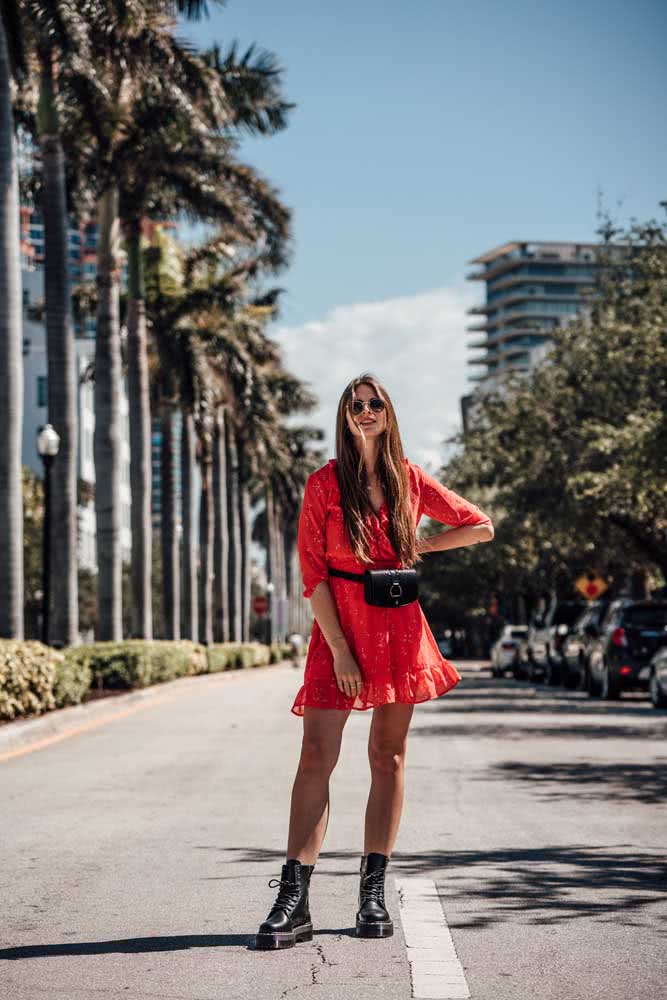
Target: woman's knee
[[318, 757], [386, 757]]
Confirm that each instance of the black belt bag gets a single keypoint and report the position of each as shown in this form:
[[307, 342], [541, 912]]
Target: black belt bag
[[385, 588]]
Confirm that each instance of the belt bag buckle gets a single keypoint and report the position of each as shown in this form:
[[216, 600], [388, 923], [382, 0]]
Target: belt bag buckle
[[390, 588]]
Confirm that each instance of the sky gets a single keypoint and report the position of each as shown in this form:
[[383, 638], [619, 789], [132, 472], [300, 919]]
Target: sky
[[425, 133]]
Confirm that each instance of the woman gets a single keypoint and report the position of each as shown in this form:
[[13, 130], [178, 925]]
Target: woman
[[360, 511]]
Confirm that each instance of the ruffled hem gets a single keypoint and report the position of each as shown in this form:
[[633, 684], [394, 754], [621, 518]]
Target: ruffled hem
[[423, 684]]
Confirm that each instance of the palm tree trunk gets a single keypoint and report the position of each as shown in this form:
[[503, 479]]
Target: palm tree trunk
[[234, 521], [206, 551], [62, 373], [140, 440], [11, 370], [168, 532], [290, 582], [244, 512], [220, 533], [282, 576], [190, 607], [271, 560], [106, 441]]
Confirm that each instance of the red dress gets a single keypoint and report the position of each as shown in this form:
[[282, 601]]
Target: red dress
[[395, 650]]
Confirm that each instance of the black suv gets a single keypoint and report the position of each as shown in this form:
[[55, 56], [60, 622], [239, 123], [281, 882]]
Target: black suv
[[622, 646]]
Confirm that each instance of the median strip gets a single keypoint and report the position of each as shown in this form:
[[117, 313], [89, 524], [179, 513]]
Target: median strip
[[435, 970]]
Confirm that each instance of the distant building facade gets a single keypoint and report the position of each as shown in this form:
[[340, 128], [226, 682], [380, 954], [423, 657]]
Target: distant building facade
[[532, 288]]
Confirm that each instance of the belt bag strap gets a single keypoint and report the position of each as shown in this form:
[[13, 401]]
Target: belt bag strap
[[385, 588]]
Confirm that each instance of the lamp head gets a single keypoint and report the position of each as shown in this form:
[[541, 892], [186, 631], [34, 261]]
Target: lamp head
[[48, 441]]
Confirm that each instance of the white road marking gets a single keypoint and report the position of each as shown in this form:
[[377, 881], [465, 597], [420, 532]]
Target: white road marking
[[435, 970]]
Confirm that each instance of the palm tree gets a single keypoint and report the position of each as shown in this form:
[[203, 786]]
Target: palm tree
[[190, 623], [220, 531], [133, 46], [11, 367], [178, 165], [55, 36], [61, 359], [168, 524]]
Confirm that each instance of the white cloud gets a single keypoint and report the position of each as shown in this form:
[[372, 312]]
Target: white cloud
[[416, 345]]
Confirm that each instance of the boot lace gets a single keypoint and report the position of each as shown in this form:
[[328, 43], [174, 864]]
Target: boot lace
[[288, 896], [372, 886]]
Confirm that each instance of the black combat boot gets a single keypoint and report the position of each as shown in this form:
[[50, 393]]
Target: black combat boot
[[289, 918], [372, 917]]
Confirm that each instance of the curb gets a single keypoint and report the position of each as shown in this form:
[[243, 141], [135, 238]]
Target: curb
[[20, 732]]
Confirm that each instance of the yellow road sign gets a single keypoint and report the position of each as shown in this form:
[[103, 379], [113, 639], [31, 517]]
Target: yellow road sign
[[591, 585]]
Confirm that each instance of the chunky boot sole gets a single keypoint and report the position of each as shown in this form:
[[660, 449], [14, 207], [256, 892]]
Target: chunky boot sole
[[284, 939], [375, 929]]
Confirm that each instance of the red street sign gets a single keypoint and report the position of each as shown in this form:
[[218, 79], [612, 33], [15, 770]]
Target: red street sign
[[260, 605]]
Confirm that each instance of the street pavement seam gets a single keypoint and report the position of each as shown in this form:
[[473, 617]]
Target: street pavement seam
[[435, 970]]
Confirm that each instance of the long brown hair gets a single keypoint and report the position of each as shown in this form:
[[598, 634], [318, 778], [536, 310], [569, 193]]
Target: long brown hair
[[392, 471]]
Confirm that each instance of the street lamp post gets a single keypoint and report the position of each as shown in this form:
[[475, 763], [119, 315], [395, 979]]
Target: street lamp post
[[48, 442]]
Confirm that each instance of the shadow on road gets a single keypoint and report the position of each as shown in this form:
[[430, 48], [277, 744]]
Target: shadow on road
[[544, 885], [129, 946]]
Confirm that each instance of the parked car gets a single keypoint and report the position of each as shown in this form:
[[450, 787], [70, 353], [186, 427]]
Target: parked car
[[576, 647], [542, 652], [445, 645], [657, 681], [505, 649], [623, 646]]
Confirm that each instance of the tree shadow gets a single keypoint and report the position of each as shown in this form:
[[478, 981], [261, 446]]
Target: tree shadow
[[540, 886]]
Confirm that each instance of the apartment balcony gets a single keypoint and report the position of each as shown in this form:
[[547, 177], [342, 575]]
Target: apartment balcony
[[576, 274], [523, 296], [540, 311]]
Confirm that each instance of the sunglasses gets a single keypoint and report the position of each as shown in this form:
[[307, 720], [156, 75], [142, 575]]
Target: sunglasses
[[375, 404]]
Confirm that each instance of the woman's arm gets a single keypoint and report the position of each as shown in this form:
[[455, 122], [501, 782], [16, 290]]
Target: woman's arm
[[311, 543], [466, 523], [326, 615], [346, 669], [452, 538]]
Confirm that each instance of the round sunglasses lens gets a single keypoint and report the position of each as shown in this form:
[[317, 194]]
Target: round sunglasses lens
[[377, 404]]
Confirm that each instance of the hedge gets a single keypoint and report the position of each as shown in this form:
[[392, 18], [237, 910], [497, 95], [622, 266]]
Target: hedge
[[234, 655], [27, 678], [35, 678], [136, 663]]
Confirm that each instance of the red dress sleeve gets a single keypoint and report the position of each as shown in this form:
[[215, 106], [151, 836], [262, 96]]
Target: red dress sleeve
[[311, 534], [446, 506]]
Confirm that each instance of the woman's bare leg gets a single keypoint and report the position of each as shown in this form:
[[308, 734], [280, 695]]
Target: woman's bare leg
[[386, 754], [309, 812]]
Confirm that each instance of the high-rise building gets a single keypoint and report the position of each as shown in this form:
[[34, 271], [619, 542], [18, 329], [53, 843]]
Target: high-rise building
[[531, 289]]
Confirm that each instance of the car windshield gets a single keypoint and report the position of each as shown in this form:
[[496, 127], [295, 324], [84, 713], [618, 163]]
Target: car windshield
[[648, 617], [566, 614], [518, 633]]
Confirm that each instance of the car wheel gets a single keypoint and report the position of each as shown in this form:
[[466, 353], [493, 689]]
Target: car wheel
[[658, 697], [552, 673], [570, 679], [611, 687], [591, 685]]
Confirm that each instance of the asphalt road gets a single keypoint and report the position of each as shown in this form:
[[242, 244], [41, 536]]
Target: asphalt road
[[136, 853]]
